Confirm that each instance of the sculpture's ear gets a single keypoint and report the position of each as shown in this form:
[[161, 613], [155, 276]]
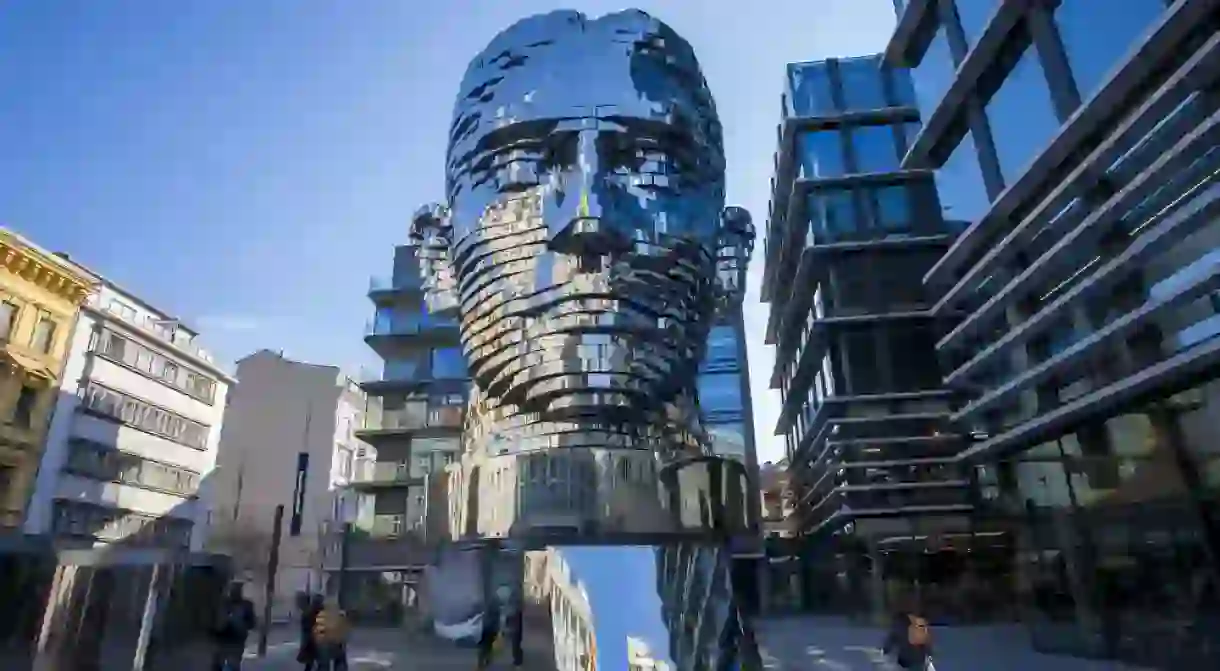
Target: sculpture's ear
[[734, 244], [432, 232]]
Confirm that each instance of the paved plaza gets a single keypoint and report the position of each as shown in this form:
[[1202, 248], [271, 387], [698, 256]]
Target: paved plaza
[[788, 644], [832, 644], [396, 649]]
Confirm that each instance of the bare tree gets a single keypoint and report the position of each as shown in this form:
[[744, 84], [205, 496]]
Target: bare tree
[[246, 543]]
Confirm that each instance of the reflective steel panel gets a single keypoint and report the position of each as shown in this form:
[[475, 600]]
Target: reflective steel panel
[[585, 249]]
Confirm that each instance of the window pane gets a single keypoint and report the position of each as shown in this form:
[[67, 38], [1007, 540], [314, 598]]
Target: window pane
[[934, 73], [721, 352], [903, 87], [912, 359], [863, 371], [400, 369], [876, 148], [8, 315], [383, 320], [851, 282], [448, 363], [821, 154], [719, 393], [1097, 41], [728, 440], [1022, 117], [44, 335], [810, 84], [837, 214], [900, 287], [959, 183], [974, 15], [862, 82], [893, 208]]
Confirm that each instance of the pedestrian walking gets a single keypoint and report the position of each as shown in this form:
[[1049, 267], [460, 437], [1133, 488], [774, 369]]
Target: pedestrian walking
[[234, 624], [503, 620], [909, 642], [330, 633], [307, 654], [491, 630]]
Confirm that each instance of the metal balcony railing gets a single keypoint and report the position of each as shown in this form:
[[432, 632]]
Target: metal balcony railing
[[383, 283], [164, 329], [384, 472], [396, 526], [412, 325], [446, 417]]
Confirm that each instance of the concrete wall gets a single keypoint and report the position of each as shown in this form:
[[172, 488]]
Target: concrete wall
[[279, 409]]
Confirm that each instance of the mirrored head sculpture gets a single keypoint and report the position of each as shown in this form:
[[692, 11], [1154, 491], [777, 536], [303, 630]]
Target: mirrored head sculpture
[[585, 247]]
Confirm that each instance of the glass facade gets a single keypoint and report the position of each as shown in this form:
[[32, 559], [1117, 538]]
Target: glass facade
[[1021, 113], [933, 72], [1096, 42], [1088, 327], [855, 352], [974, 16]]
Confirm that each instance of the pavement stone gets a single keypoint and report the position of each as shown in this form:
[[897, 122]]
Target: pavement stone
[[834, 644], [393, 649]]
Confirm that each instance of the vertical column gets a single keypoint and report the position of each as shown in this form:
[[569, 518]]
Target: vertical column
[[54, 619], [149, 615]]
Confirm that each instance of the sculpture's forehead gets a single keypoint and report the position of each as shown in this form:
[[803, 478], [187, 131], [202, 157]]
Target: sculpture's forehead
[[570, 80]]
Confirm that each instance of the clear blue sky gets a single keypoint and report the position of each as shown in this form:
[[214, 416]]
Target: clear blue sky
[[247, 164]]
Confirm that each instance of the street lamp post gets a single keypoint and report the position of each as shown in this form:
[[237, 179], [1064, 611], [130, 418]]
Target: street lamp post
[[347, 509], [273, 565]]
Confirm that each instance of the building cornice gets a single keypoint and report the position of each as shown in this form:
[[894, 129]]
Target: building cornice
[[44, 270]]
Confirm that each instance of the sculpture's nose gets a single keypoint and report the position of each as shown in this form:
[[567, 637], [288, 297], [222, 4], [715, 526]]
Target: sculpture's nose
[[584, 223]]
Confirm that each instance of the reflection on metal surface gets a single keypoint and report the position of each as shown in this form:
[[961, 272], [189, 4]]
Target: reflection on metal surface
[[585, 250], [661, 608]]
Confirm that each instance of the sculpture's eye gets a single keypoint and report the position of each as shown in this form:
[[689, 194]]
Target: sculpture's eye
[[560, 152]]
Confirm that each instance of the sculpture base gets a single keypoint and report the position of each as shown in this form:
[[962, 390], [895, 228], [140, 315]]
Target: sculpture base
[[661, 606]]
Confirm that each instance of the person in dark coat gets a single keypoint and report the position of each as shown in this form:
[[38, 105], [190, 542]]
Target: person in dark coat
[[237, 620], [492, 613], [307, 655], [909, 642]]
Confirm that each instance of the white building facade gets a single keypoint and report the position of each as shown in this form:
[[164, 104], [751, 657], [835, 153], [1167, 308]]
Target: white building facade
[[288, 440], [133, 439]]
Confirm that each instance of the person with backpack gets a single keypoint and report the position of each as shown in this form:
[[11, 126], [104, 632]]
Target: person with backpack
[[307, 654], [909, 642], [236, 621], [330, 632]]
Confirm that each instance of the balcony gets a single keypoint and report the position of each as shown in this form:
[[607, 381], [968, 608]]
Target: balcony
[[398, 332], [380, 284], [414, 324], [386, 474], [396, 526], [377, 420], [167, 330]]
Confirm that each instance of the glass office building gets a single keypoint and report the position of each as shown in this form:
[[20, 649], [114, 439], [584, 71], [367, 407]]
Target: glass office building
[[1078, 140], [867, 423]]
